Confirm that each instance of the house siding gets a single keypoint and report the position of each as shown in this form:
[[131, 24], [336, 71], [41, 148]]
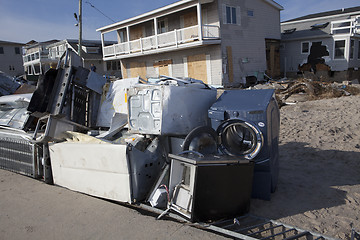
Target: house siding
[[247, 40], [177, 68], [11, 63], [291, 55]]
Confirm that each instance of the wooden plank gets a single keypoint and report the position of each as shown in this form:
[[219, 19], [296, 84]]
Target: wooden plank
[[136, 33], [123, 70], [230, 63], [197, 67], [138, 69], [162, 63], [164, 70]]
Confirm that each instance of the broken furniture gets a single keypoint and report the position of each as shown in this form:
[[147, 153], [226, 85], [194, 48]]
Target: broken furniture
[[247, 123], [210, 187]]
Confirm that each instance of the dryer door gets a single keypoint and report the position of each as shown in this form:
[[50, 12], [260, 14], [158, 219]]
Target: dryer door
[[239, 138]]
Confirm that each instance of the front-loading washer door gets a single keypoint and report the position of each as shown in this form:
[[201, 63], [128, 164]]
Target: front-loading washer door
[[239, 138]]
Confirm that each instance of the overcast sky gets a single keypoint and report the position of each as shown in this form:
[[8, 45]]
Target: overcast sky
[[41, 20]]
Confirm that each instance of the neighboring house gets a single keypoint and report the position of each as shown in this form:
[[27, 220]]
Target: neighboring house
[[10, 58], [332, 38], [39, 57], [218, 41], [36, 58]]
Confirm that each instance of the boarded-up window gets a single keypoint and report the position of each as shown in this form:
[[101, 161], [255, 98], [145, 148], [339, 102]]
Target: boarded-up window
[[196, 66], [138, 69], [136, 33], [163, 67]]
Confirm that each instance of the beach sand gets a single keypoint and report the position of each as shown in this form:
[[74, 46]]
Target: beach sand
[[319, 183]]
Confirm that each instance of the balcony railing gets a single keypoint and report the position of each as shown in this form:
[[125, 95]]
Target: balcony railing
[[348, 26], [35, 56], [168, 39]]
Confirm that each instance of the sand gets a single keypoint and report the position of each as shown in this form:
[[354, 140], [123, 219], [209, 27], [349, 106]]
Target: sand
[[318, 190], [319, 183]]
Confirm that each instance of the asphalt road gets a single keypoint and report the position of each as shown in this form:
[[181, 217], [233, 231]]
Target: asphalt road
[[31, 209]]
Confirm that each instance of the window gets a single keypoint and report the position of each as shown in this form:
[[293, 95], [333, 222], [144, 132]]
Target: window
[[250, 13], [1, 50], [231, 15], [339, 50], [352, 48], [359, 50], [305, 47], [162, 28], [113, 65], [17, 50]]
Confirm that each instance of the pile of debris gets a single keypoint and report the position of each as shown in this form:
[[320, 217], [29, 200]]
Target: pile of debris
[[171, 143], [313, 89]]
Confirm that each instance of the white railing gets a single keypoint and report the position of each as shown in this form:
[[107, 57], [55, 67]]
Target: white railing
[[348, 26], [172, 38], [211, 31], [31, 57]]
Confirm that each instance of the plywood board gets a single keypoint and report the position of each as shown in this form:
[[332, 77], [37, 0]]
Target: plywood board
[[138, 69], [273, 57], [197, 69], [230, 63], [136, 33]]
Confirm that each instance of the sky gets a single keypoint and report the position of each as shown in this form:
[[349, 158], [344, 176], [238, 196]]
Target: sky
[[42, 20]]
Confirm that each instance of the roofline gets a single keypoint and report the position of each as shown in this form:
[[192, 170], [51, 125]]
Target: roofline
[[170, 6], [147, 14], [13, 43], [318, 18], [274, 4]]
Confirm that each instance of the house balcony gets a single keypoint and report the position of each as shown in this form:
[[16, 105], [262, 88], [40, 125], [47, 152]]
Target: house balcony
[[169, 41], [347, 26], [36, 57]]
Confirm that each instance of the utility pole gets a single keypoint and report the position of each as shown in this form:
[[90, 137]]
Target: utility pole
[[80, 27]]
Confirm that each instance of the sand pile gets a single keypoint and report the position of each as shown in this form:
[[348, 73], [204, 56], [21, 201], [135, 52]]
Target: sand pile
[[319, 184]]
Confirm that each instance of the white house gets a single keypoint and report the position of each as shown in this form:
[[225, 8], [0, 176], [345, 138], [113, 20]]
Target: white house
[[218, 41], [332, 38], [10, 58]]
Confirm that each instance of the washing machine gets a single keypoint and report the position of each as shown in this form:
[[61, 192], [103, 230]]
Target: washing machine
[[247, 124]]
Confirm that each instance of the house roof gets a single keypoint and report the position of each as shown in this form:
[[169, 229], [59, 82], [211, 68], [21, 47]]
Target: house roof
[[11, 43], [165, 11], [325, 14]]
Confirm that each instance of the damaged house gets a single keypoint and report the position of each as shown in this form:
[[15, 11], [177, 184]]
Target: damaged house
[[218, 41], [327, 43], [39, 57]]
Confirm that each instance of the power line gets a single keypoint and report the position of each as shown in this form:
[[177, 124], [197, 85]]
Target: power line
[[99, 11]]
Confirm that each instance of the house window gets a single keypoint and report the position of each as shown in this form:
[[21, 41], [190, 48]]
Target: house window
[[250, 13], [113, 66], [162, 26], [352, 48], [1, 50], [305, 47], [17, 50], [230, 13], [339, 50]]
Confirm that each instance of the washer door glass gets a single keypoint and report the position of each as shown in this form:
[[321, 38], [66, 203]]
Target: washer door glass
[[239, 138]]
